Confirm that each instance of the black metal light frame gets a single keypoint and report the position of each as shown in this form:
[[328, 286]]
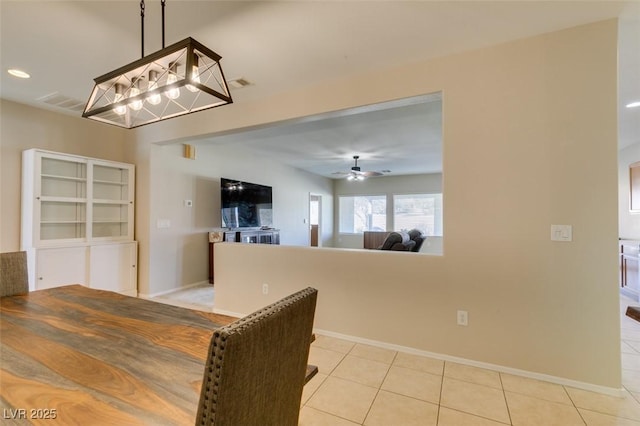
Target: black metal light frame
[[128, 97]]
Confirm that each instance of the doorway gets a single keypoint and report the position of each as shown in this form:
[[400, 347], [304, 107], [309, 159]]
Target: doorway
[[315, 203]]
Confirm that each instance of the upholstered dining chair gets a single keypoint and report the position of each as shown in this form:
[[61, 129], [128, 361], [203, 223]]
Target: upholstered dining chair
[[14, 278], [256, 366]]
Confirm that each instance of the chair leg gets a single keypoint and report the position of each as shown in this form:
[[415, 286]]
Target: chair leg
[[312, 370]]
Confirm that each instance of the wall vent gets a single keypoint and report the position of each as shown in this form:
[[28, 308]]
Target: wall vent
[[239, 83], [61, 101]]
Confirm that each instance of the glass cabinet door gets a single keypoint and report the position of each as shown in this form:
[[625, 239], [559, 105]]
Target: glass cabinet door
[[63, 198], [112, 201]]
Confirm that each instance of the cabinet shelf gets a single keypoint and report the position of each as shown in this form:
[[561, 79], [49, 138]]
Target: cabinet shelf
[[50, 199], [112, 202], [67, 178], [53, 222], [110, 182]]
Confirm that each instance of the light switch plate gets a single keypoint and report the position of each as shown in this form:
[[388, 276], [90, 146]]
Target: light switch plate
[[163, 223], [561, 233]]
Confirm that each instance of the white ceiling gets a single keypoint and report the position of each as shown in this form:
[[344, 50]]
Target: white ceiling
[[403, 137], [282, 46]]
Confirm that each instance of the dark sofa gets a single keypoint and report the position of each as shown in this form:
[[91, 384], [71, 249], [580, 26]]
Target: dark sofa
[[403, 241]]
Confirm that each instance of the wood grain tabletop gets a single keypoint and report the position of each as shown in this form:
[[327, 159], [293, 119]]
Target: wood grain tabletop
[[78, 356]]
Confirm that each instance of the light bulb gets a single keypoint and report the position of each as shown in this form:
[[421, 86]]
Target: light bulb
[[153, 84], [120, 110], [172, 78], [195, 75], [135, 91]]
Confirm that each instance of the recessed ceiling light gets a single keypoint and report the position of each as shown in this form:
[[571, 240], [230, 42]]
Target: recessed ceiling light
[[18, 73], [633, 104]]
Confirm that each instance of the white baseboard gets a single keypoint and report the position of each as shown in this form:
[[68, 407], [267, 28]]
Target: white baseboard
[[227, 313], [173, 290], [499, 368], [619, 393]]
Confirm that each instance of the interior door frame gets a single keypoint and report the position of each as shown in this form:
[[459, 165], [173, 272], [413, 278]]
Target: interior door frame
[[313, 197]]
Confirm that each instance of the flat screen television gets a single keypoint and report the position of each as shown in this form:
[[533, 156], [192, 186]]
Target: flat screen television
[[245, 204]]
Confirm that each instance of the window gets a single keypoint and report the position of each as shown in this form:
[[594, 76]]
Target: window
[[420, 211], [362, 213]]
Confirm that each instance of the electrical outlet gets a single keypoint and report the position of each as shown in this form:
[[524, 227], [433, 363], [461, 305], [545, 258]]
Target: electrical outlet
[[463, 318], [265, 288]]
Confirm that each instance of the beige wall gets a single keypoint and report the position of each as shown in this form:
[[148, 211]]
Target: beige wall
[[529, 141], [23, 127], [180, 253]]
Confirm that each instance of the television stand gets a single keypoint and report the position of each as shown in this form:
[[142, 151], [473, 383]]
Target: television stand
[[253, 236], [247, 236]]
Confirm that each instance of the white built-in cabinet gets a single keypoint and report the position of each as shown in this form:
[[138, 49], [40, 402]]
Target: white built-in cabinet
[[77, 221]]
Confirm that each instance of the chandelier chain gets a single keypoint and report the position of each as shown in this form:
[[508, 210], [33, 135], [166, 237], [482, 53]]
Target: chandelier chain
[[142, 25], [162, 3]]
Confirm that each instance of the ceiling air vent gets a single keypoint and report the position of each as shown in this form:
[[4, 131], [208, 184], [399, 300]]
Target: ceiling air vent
[[61, 101], [239, 83]]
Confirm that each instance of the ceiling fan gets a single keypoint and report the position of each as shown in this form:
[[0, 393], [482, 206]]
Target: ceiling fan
[[356, 172]]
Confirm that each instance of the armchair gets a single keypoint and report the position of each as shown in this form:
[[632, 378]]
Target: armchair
[[398, 241], [403, 241]]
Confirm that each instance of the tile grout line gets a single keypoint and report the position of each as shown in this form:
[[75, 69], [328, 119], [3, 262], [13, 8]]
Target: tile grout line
[[440, 394], [506, 401], [378, 388], [344, 355]]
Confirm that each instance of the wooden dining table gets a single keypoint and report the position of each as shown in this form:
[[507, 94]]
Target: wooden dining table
[[78, 356]]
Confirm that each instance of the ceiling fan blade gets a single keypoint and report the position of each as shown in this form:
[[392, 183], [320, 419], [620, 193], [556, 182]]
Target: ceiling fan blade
[[357, 173]]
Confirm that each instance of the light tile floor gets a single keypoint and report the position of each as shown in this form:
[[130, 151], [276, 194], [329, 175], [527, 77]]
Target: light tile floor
[[199, 297], [365, 385]]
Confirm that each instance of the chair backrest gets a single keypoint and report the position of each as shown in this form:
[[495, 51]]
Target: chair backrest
[[416, 236], [256, 366], [398, 241], [14, 278]]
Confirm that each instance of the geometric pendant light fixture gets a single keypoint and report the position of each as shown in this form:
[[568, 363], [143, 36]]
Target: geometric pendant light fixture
[[177, 80]]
